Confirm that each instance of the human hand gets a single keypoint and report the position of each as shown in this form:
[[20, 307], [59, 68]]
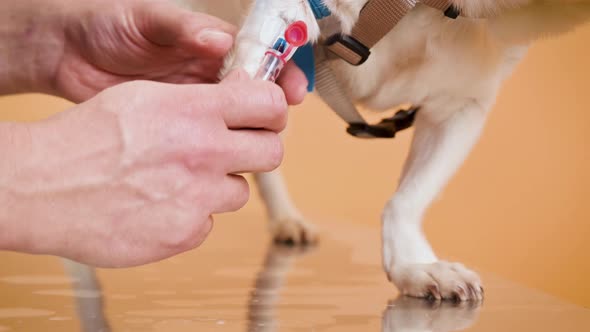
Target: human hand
[[109, 42], [77, 49], [135, 174]]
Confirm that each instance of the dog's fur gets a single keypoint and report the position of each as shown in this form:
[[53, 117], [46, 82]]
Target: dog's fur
[[452, 69]]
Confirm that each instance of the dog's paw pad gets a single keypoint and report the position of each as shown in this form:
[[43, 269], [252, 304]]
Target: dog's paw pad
[[438, 281]]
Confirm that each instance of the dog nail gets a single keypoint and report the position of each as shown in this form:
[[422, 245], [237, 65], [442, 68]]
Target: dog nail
[[473, 293], [460, 294], [434, 292]]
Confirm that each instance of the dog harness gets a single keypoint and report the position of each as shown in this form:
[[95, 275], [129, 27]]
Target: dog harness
[[376, 19]]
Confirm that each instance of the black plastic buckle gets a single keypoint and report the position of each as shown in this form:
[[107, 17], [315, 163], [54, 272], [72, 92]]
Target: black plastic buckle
[[387, 128], [352, 44]]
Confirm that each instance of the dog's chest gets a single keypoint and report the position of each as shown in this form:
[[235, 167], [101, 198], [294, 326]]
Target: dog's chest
[[429, 59]]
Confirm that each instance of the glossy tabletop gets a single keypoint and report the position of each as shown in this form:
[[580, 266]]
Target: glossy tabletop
[[239, 281]]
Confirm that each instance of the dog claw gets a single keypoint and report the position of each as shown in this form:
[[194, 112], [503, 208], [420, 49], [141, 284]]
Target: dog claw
[[459, 295], [473, 293], [434, 293]]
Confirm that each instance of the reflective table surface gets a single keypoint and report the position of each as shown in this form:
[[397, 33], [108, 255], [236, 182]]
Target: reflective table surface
[[239, 281]]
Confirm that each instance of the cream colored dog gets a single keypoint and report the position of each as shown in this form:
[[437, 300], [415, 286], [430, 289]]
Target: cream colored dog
[[451, 68]]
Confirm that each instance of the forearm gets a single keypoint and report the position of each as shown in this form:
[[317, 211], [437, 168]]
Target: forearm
[[40, 173], [35, 175], [44, 168], [31, 44]]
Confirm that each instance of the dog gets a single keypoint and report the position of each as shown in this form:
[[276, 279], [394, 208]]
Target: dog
[[451, 68]]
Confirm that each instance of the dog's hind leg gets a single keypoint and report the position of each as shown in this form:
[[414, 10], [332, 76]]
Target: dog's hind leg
[[287, 224], [438, 149]]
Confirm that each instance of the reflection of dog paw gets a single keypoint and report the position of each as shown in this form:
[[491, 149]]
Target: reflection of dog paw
[[288, 252], [412, 314], [293, 231], [439, 281]]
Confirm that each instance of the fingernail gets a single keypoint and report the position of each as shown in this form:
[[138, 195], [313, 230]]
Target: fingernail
[[210, 36]]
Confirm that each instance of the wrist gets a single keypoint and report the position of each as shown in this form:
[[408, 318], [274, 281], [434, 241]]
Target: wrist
[[14, 235], [15, 231], [28, 215], [45, 167], [31, 44]]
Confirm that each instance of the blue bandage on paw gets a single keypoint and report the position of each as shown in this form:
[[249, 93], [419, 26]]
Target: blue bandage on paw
[[304, 59]]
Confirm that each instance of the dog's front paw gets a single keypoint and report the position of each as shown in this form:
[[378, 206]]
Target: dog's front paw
[[437, 281], [293, 231]]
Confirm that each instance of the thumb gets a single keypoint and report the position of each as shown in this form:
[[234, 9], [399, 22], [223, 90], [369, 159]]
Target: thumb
[[166, 24]]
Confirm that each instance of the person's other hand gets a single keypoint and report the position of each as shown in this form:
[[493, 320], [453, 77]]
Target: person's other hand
[[109, 42]]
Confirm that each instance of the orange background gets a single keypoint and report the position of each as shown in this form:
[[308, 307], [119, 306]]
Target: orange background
[[520, 205]]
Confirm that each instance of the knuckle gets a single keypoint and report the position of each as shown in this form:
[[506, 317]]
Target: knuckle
[[190, 235], [201, 230], [277, 96], [275, 152], [204, 154], [277, 107], [178, 239], [242, 195]]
